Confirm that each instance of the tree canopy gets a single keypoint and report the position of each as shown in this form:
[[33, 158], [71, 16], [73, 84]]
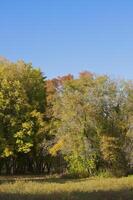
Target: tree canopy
[[80, 126]]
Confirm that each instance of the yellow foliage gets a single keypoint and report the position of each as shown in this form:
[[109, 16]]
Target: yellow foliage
[[58, 146], [7, 152]]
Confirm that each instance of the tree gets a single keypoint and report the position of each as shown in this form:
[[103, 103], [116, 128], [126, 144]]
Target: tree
[[75, 131], [79, 125], [112, 124], [93, 121], [22, 106]]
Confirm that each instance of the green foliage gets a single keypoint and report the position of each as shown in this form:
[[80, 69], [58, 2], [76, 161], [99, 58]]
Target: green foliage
[[81, 166]]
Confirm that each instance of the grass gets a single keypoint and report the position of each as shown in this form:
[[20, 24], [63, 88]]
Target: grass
[[38, 188]]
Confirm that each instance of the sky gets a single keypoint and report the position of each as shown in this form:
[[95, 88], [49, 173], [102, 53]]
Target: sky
[[69, 36]]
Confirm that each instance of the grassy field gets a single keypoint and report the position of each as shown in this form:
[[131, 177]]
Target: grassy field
[[66, 189]]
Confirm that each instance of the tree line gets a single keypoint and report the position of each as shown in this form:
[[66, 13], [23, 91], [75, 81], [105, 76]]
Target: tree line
[[78, 126]]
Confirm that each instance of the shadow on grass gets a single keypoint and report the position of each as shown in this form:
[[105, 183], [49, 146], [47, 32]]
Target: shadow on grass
[[77, 195], [41, 179]]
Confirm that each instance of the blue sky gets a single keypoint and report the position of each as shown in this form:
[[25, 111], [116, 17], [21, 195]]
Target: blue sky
[[69, 36]]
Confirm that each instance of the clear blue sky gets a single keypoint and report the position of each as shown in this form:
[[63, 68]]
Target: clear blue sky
[[69, 36]]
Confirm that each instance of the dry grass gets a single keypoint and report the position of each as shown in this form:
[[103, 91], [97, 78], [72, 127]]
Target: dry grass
[[66, 189]]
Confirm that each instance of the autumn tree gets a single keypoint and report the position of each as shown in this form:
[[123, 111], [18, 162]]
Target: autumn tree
[[92, 124], [22, 106]]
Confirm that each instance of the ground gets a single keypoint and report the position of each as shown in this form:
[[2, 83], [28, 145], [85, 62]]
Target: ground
[[40, 188]]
